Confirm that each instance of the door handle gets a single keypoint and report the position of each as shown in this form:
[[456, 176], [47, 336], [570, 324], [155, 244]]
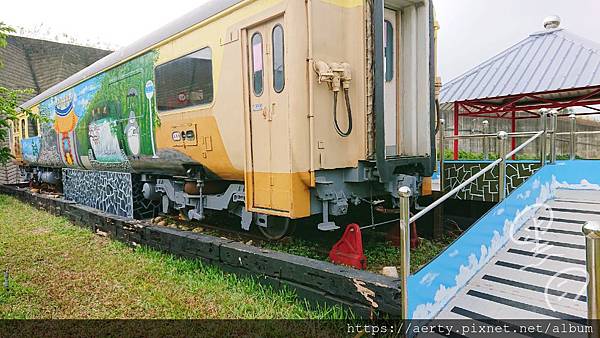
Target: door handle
[[272, 112]]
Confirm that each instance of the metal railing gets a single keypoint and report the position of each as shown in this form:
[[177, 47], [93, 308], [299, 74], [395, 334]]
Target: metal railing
[[591, 230], [551, 133], [405, 193]]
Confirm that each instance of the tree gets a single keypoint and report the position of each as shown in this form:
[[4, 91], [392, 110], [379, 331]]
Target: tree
[[9, 104]]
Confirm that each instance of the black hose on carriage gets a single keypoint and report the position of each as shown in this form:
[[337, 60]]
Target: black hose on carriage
[[437, 115], [348, 110]]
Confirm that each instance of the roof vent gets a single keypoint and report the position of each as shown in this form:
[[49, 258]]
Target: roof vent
[[552, 22]]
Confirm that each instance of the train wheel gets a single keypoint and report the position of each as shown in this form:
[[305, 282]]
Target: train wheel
[[277, 228]]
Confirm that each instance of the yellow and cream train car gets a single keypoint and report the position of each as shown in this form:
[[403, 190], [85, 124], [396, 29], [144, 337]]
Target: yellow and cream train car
[[270, 109]]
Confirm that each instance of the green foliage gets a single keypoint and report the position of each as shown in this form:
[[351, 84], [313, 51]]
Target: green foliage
[[9, 103], [4, 31], [468, 155], [9, 112]]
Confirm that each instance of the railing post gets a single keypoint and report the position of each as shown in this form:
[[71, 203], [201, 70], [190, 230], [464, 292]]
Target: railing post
[[573, 138], [404, 193], [442, 146], [544, 115], [591, 230], [502, 138], [554, 117], [486, 129]]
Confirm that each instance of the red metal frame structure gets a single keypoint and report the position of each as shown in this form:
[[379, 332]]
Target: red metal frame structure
[[524, 106]]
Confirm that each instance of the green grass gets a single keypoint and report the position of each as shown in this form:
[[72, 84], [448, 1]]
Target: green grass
[[58, 270], [378, 253], [384, 254], [297, 247]]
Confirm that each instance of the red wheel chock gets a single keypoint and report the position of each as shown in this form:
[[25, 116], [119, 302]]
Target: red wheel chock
[[349, 249], [393, 236]]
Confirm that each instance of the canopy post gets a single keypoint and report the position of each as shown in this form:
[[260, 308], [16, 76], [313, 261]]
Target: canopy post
[[456, 130], [513, 142]]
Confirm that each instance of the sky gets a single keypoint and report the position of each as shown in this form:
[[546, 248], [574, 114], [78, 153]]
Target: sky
[[471, 32]]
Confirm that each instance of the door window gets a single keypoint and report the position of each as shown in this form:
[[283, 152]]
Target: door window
[[278, 59], [389, 51], [257, 64]]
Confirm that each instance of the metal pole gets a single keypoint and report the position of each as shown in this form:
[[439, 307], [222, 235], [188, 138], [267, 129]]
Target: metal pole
[[573, 140], [513, 129], [486, 127], [404, 193], [544, 115], [591, 230], [554, 117], [502, 138], [442, 146], [456, 130]]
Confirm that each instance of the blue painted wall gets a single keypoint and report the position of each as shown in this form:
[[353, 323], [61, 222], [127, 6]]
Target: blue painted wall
[[436, 283]]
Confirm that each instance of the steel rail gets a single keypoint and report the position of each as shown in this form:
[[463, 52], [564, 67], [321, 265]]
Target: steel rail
[[473, 178]]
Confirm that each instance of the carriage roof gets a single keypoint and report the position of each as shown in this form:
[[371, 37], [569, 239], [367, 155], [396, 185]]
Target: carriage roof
[[209, 9]]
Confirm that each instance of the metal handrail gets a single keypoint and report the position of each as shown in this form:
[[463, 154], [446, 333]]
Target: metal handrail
[[591, 231], [524, 144], [474, 177], [586, 132], [405, 193], [516, 134], [520, 134]]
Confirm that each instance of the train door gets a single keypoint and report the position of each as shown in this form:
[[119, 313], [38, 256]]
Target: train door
[[270, 136], [391, 84]]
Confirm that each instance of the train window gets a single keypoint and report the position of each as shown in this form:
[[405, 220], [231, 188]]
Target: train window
[[185, 82], [23, 128], [32, 125], [278, 59], [257, 64], [389, 51]]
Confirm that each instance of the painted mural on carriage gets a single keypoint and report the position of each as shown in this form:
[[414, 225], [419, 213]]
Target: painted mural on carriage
[[99, 123]]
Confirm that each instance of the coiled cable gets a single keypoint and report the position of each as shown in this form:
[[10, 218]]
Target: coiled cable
[[348, 110]]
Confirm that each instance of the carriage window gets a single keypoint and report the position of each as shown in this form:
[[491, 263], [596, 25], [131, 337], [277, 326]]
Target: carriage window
[[257, 64], [185, 82], [278, 59], [389, 51], [33, 126]]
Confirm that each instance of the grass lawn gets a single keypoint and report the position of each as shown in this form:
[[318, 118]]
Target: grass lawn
[[58, 270], [378, 254]]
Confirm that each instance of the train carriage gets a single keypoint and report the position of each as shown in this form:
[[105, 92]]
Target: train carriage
[[273, 110]]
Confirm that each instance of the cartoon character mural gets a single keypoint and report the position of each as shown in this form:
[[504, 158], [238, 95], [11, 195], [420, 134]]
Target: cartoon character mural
[[105, 142], [49, 154], [132, 131], [64, 123], [102, 123]]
